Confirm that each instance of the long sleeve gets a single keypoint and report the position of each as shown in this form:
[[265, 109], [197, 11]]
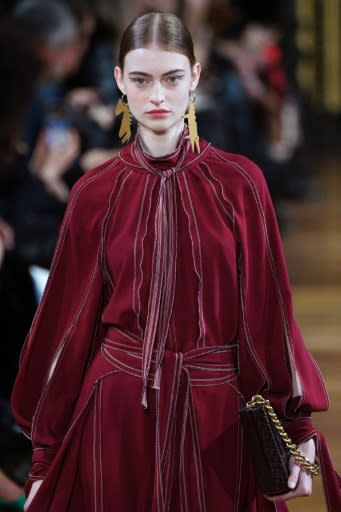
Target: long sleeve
[[273, 358], [62, 337], [285, 371]]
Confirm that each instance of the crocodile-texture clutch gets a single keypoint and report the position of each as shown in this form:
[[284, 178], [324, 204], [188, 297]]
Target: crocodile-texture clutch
[[267, 450]]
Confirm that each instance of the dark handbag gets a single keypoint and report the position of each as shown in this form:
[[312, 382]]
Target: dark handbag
[[270, 447]]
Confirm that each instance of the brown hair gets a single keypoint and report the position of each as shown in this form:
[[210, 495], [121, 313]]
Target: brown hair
[[161, 29]]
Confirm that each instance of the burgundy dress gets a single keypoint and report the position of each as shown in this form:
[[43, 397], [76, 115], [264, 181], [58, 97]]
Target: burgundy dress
[[167, 305]]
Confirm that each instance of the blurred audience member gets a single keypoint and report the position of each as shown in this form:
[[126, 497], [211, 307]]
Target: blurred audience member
[[261, 111], [52, 144], [90, 92], [11, 495], [55, 33], [96, 66], [20, 70]]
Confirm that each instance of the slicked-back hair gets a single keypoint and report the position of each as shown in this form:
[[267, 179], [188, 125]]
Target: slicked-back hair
[[157, 29]]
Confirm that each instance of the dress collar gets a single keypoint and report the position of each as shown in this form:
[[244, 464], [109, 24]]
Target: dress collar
[[135, 155]]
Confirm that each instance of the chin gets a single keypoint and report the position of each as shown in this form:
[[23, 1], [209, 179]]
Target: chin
[[156, 126], [159, 131]]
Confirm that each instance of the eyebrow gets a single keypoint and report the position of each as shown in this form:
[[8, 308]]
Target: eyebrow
[[141, 73]]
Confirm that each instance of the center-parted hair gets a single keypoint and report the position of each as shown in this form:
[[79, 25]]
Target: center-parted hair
[[164, 30]]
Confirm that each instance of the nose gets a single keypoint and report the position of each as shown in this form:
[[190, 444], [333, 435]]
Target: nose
[[157, 95]]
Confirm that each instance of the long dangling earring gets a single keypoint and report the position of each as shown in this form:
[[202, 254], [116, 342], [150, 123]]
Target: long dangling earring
[[193, 135], [122, 107]]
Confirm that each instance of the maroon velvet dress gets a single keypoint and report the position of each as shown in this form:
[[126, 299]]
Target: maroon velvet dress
[[167, 305]]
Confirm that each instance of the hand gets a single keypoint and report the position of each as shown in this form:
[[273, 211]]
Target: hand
[[94, 157], [82, 98], [9, 490], [33, 492], [2, 252], [6, 234], [6, 239], [299, 480], [103, 115], [50, 163]]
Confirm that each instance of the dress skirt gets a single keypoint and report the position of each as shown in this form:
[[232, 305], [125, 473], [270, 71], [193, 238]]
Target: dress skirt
[[184, 453]]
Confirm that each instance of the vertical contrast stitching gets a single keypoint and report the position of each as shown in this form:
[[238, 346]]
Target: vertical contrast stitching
[[58, 250], [210, 180], [201, 277], [142, 256], [135, 309], [107, 218]]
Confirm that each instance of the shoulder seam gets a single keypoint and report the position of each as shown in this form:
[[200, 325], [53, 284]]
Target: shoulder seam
[[101, 170]]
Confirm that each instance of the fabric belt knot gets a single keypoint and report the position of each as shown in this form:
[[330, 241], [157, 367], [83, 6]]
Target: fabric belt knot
[[176, 422], [169, 172]]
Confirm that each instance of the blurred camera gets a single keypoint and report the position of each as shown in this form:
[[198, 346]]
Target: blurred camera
[[57, 127]]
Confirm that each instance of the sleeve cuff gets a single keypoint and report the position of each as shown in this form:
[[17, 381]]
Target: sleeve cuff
[[300, 429], [42, 459]]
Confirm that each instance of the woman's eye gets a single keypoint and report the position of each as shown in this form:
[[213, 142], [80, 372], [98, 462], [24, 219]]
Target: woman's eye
[[139, 80], [173, 79]]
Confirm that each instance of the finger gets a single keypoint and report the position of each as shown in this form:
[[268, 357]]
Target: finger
[[2, 252], [305, 484], [294, 474], [292, 482], [59, 190], [304, 488]]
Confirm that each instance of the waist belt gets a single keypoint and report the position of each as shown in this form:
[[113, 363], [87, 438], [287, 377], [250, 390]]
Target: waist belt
[[175, 414]]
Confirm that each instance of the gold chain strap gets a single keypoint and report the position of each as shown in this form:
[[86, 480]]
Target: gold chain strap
[[309, 467]]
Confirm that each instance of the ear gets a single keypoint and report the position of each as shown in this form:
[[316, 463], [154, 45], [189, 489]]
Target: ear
[[118, 74], [196, 70]]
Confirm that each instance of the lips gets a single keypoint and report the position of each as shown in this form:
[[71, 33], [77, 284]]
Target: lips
[[158, 113]]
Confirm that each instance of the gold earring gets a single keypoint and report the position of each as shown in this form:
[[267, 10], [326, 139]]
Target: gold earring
[[122, 107], [193, 135]]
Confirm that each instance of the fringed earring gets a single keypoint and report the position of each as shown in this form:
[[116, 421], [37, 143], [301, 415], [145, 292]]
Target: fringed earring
[[122, 107], [193, 135]]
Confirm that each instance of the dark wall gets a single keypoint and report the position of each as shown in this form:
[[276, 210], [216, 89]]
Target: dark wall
[[261, 10]]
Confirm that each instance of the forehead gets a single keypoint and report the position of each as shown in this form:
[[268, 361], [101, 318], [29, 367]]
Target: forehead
[[155, 61]]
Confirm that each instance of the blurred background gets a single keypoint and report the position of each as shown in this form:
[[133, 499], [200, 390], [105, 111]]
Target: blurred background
[[270, 89]]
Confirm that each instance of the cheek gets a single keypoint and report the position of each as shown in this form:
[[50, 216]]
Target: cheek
[[135, 98], [181, 98], [182, 91]]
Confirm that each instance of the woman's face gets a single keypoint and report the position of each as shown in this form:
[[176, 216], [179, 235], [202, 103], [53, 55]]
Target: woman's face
[[157, 84]]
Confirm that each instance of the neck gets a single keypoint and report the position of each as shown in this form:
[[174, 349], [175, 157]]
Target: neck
[[159, 144]]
